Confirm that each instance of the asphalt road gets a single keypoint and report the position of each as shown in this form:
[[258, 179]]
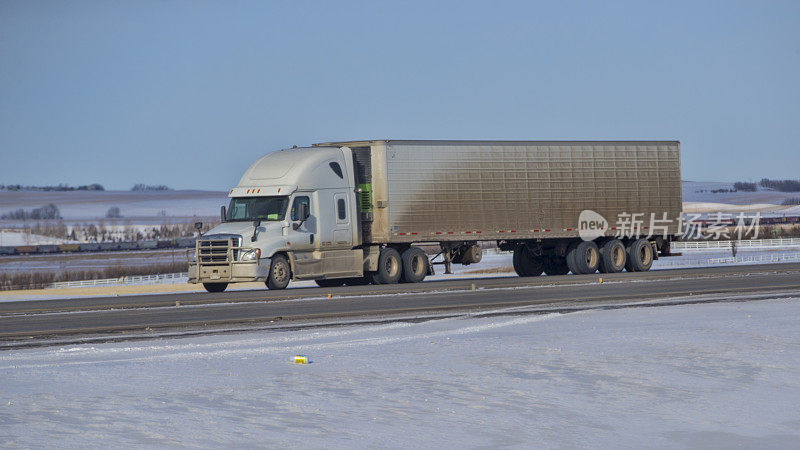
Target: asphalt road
[[206, 311]]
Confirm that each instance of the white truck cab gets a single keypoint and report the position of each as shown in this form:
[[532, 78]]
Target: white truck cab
[[292, 216]]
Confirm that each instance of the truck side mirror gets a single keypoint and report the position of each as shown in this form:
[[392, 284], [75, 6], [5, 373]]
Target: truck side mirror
[[256, 224], [303, 211], [223, 214], [302, 215], [198, 226]]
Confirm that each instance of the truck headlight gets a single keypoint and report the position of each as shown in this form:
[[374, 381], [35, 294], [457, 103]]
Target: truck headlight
[[250, 255]]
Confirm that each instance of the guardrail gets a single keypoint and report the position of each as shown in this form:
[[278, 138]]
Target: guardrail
[[670, 262], [752, 243], [167, 278]]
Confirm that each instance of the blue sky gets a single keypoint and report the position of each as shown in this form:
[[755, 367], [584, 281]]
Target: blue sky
[[188, 94]]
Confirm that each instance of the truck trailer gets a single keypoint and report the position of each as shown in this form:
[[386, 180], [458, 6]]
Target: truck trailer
[[360, 212]]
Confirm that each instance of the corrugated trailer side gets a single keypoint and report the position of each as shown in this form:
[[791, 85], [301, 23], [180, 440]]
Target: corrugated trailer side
[[508, 190]]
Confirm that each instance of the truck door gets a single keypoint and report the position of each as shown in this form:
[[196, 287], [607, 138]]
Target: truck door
[[342, 231], [305, 239]]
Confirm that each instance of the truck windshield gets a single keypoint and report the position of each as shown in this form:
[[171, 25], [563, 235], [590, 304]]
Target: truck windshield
[[257, 208]]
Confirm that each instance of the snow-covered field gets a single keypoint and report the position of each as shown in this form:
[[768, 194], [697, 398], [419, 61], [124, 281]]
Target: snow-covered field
[[698, 198], [697, 376], [700, 191]]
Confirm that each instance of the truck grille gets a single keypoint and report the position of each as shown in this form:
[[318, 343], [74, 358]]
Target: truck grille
[[215, 251]]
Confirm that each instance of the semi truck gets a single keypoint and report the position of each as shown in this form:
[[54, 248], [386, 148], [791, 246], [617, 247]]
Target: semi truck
[[359, 212]]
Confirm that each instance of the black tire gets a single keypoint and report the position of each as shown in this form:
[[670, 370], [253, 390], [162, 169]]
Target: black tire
[[534, 266], [280, 273], [640, 256], [570, 258], [516, 261], [333, 282], [415, 265], [215, 287], [555, 265], [357, 281], [525, 264], [585, 258], [390, 267], [613, 257]]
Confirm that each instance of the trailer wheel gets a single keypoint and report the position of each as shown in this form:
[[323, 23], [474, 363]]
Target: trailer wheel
[[613, 257], [415, 265], [215, 287], [390, 267], [570, 258], [555, 265], [279, 273], [587, 257], [640, 256], [333, 282], [525, 264]]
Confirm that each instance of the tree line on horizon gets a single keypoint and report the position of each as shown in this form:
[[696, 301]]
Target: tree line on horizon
[[139, 187], [57, 188], [777, 185]]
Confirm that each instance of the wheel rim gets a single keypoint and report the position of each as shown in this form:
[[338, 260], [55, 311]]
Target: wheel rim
[[591, 257], [416, 265], [617, 256], [644, 255], [280, 272], [391, 267]]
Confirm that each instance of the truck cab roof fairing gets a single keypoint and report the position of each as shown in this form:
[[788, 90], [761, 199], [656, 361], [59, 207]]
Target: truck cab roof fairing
[[297, 168]]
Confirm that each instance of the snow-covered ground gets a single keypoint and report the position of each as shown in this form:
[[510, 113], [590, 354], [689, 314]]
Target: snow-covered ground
[[699, 376]]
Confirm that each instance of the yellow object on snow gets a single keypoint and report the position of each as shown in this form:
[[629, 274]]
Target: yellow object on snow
[[300, 359]]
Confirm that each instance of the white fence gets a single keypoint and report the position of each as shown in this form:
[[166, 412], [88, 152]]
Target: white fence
[[754, 259], [753, 243], [167, 278]]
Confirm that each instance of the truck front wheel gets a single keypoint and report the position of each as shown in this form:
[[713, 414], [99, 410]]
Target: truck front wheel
[[279, 273], [215, 287], [390, 267]]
